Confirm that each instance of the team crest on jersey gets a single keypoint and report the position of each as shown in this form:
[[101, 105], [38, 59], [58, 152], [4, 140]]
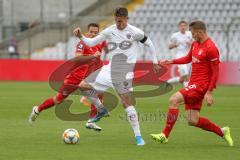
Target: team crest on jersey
[[200, 52], [129, 36]]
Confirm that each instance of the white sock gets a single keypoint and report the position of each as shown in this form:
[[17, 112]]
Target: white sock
[[185, 83], [133, 120], [173, 80], [36, 110], [92, 96], [223, 131]]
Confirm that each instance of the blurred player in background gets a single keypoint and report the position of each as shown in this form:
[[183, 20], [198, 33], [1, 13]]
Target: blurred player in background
[[181, 41], [76, 76], [124, 39], [204, 56]]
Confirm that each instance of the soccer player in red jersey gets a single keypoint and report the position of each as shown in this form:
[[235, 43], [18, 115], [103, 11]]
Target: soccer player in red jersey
[[76, 76], [204, 56]]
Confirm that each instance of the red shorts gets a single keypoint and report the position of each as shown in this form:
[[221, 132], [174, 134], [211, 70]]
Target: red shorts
[[72, 81], [193, 96]]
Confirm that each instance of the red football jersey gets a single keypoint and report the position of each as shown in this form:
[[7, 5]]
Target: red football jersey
[[202, 57], [84, 70]]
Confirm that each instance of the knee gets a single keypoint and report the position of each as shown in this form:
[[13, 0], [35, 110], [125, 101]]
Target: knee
[[83, 86], [192, 122], [126, 100], [183, 78], [173, 101]]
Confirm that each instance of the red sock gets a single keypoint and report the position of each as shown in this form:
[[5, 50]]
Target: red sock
[[93, 112], [207, 125], [171, 119], [46, 104]]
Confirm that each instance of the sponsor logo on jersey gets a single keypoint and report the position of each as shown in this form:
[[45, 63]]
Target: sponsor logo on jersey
[[195, 60]]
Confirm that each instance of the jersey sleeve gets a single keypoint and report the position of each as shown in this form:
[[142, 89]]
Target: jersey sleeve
[[213, 57], [186, 59], [96, 40], [138, 34], [105, 33]]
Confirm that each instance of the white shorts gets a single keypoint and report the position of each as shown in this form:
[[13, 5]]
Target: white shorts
[[184, 69], [102, 79]]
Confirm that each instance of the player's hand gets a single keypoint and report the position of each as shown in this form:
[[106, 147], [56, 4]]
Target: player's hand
[[166, 62], [173, 45], [156, 68], [77, 32], [209, 98], [189, 43], [97, 54]]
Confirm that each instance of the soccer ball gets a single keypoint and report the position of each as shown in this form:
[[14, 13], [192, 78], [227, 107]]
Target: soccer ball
[[70, 136]]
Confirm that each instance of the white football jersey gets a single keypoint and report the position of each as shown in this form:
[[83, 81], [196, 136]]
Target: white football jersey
[[182, 41], [124, 41]]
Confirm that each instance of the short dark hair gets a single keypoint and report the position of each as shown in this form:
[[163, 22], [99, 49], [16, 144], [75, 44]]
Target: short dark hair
[[93, 25], [182, 22], [121, 12], [198, 25]]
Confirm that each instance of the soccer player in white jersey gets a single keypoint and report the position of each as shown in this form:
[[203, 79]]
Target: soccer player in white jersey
[[181, 42], [123, 42]]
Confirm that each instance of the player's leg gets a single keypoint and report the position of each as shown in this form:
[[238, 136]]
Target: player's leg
[[97, 82], [93, 108], [93, 114], [69, 86], [194, 96], [184, 74], [194, 119], [91, 93], [174, 80], [132, 116], [48, 103], [184, 80], [172, 116]]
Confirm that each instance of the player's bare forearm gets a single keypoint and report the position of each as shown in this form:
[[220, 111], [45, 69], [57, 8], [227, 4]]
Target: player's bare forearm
[[172, 46]]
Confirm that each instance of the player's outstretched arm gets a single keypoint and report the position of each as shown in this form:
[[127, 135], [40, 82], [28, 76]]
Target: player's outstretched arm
[[184, 60], [153, 51], [89, 41]]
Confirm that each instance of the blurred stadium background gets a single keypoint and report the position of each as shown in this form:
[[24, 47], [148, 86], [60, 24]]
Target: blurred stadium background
[[42, 29]]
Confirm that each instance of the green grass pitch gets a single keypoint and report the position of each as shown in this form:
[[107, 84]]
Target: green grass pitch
[[43, 141]]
